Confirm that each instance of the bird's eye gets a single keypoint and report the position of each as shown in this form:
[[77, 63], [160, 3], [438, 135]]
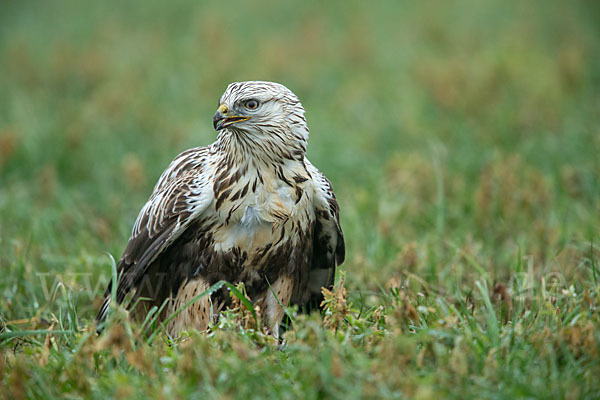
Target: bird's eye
[[251, 104]]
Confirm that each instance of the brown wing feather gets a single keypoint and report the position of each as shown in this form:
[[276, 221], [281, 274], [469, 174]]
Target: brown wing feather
[[191, 159], [177, 198], [328, 240]]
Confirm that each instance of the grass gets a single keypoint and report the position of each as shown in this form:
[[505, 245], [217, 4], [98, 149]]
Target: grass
[[463, 142]]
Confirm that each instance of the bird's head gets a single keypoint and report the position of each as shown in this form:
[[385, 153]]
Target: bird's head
[[265, 112]]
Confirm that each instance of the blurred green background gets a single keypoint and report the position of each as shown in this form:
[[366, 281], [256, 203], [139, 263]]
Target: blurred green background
[[443, 125]]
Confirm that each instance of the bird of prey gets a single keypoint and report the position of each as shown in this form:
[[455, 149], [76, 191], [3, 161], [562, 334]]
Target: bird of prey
[[248, 208]]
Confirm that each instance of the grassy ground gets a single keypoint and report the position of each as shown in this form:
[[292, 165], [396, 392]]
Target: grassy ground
[[463, 141]]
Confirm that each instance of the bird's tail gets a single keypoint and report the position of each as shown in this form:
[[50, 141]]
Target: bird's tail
[[103, 312]]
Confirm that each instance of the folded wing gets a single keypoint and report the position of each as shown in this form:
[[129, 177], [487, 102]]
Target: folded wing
[[328, 241], [181, 194]]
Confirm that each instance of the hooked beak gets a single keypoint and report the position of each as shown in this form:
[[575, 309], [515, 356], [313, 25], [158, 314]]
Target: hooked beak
[[222, 119]]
